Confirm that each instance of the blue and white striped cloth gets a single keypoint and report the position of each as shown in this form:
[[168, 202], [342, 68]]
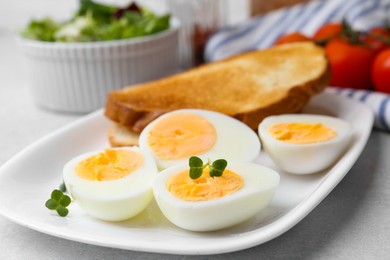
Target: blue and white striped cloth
[[377, 101], [262, 31]]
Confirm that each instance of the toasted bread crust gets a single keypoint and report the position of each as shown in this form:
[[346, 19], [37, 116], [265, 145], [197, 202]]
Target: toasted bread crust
[[295, 100], [249, 87], [119, 136]]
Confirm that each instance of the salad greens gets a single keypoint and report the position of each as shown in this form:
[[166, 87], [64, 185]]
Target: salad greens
[[98, 22]]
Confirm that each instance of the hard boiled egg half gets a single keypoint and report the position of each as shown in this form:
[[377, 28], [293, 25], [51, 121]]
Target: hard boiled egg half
[[207, 203], [111, 184], [304, 143], [175, 136]]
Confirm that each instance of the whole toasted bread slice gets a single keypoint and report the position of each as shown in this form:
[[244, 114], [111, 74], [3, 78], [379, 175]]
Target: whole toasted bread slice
[[249, 87]]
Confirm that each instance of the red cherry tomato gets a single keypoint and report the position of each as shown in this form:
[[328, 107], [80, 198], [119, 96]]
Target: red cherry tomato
[[350, 64], [376, 39], [292, 37], [381, 71], [328, 31]]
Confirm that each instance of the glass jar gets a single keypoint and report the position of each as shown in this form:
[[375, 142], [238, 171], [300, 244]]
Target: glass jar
[[199, 19]]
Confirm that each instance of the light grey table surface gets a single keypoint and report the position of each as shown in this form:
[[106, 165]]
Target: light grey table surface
[[353, 222]]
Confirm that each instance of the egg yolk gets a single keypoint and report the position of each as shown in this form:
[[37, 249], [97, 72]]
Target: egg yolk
[[205, 187], [109, 165], [181, 135], [301, 133]]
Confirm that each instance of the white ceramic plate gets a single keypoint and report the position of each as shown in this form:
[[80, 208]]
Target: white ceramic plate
[[27, 180]]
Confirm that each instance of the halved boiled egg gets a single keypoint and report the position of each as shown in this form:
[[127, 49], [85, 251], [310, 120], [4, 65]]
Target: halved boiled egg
[[303, 143], [175, 136], [207, 203], [111, 184]]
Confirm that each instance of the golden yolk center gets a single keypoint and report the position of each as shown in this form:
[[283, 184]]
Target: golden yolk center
[[181, 135], [301, 133], [109, 165], [205, 187]]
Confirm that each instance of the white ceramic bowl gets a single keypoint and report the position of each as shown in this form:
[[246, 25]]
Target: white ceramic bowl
[[76, 77]]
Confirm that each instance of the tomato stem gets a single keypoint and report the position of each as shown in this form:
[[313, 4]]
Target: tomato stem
[[351, 35], [380, 38]]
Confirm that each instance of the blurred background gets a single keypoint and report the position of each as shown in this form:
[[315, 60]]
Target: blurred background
[[16, 13]]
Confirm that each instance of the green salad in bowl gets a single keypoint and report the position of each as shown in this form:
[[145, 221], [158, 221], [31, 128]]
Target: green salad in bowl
[[72, 65], [99, 22]]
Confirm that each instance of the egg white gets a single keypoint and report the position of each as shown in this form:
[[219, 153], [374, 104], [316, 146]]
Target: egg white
[[235, 140], [112, 200], [305, 158], [256, 193]]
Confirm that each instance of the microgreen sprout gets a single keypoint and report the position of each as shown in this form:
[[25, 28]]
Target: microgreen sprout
[[62, 187], [58, 201], [197, 166]]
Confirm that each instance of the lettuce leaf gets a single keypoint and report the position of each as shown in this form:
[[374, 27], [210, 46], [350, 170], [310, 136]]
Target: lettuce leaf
[[42, 30]]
